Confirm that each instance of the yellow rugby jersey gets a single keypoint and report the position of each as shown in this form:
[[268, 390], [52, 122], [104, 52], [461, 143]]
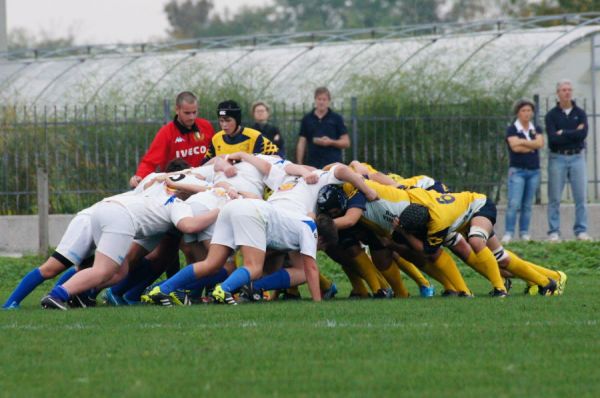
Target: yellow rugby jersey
[[448, 212], [392, 201], [248, 140]]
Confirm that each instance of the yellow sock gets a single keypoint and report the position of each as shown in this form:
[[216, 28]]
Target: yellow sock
[[366, 269], [358, 286], [324, 282], [520, 269], [411, 270], [394, 278], [439, 276], [485, 263], [447, 265], [384, 284], [544, 271]]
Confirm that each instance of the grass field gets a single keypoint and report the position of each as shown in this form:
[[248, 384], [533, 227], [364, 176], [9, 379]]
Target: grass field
[[517, 347]]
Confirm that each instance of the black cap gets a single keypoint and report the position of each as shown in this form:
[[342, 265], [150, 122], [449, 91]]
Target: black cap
[[230, 108]]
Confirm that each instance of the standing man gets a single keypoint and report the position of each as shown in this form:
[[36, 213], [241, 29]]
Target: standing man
[[323, 132], [567, 127], [186, 136]]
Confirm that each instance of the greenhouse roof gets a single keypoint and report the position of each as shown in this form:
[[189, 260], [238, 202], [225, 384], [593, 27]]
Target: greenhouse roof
[[497, 55]]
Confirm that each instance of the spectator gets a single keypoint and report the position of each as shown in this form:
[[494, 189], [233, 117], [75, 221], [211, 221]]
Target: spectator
[[567, 127], [261, 113], [186, 136], [322, 132], [524, 140]]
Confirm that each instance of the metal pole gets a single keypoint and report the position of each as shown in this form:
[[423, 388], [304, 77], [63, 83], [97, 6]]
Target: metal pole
[[536, 121], [166, 111], [354, 117], [3, 27], [43, 209], [593, 69]]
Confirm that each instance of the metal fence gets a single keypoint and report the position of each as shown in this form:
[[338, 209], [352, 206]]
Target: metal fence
[[90, 152]]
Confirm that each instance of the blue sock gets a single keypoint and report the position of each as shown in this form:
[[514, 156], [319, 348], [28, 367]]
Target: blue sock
[[210, 280], [183, 278], [66, 276], [134, 277], [60, 293], [277, 280], [29, 282], [237, 279], [134, 293]]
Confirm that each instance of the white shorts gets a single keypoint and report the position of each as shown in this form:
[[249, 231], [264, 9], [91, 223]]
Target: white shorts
[[150, 242], [77, 243], [205, 234], [113, 230], [242, 222]]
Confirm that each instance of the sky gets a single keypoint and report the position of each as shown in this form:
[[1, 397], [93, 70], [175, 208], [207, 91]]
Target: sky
[[100, 21]]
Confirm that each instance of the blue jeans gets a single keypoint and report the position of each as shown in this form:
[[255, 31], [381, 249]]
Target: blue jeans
[[522, 185], [560, 169]]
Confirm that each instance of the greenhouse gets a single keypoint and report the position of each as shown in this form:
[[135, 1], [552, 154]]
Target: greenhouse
[[445, 79]]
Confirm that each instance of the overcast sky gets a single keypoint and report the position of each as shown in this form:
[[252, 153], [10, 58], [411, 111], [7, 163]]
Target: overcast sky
[[99, 21]]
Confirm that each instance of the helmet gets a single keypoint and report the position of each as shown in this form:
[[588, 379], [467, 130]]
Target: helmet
[[331, 197], [230, 108], [414, 219]]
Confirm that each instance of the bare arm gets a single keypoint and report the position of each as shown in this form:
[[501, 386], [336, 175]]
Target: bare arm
[[349, 219], [345, 173], [300, 150], [312, 276], [191, 225], [261, 165]]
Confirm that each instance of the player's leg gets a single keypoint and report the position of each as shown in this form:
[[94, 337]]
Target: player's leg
[[254, 259], [384, 261]]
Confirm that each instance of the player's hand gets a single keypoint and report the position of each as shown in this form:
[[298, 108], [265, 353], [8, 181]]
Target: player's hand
[[311, 178], [134, 181], [233, 193], [230, 171], [371, 195]]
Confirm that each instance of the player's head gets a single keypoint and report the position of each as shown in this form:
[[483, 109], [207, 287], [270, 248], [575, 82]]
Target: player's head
[[186, 108], [230, 116], [176, 164], [322, 98], [414, 219], [328, 232], [332, 201]]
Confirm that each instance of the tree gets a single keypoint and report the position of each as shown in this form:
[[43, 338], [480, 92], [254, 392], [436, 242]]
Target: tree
[[548, 7]]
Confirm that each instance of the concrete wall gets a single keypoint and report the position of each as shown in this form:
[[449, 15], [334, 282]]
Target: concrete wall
[[19, 234]]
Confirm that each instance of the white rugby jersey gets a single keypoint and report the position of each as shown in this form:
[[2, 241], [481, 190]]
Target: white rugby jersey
[[207, 171], [295, 195], [153, 211], [214, 198], [248, 177]]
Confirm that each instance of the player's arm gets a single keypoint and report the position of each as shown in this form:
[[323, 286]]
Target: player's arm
[[195, 224], [261, 165], [311, 271], [349, 219], [185, 187], [345, 173]]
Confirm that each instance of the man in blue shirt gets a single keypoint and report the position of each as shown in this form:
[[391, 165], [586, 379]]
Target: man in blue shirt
[[323, 133], [567, 127]]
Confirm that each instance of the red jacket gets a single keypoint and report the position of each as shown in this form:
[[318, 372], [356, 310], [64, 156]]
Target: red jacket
[[175, 141]]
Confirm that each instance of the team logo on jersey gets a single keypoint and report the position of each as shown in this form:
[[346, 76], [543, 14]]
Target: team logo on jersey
[[178, 140]]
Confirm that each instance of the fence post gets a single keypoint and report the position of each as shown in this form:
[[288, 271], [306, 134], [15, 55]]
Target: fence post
[[536, 121], [43, 209], [354, 117], [166, 111]]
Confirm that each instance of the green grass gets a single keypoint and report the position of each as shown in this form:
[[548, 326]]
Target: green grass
[[520, 346]]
